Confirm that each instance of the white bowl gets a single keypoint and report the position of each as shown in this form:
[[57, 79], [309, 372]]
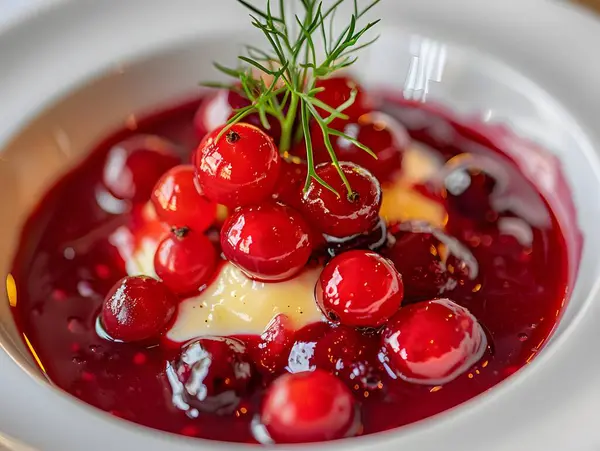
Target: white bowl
[[77, 69]]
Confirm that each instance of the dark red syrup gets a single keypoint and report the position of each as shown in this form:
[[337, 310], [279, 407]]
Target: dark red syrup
[[65, 265]]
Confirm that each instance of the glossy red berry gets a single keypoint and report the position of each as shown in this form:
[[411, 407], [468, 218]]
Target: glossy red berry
[[219, 106], [431, 262], [359, 288], [269, 242], [179, 202], [468, 190], [433, 342], [351, 356], [137, 308], [240, 168], [337, 90], [185, 260], [343, 215], [270, 353], [292, 177], [301, 356], [417, 257], [133, 166], [210, 375], [381, 133], [308, 407]]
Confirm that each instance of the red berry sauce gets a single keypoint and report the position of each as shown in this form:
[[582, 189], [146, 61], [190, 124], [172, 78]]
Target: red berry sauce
[[509, 267]]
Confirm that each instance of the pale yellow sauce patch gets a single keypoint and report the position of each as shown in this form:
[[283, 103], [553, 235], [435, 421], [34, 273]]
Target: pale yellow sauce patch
[[234, 304], [402, 203]]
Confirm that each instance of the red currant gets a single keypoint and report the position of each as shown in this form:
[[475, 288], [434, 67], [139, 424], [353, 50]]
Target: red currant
[[220, 106], [210, 375], [271, 352], [240, 168], [351, 356], [381, 133], [308, 407], [417, 257], [269, 242], [290, 184], [185, 260], [468, 190], [301, 356], [179, 202], [433, 342], [337, 90], [133, 166], [431, 262], [137, 308], [359, 288], [347, 214]]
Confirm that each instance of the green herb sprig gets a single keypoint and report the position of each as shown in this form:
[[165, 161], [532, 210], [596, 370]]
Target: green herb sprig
[[294, 68]]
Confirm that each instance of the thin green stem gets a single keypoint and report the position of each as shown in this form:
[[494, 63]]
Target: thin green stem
[[334, 160], [287, 126], [311, 173], [293, 64]]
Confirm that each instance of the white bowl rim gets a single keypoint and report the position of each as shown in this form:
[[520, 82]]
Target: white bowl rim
[[531, 34]]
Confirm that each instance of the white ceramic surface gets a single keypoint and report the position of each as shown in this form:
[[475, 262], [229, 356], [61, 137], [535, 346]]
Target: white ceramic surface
[[96, 62]]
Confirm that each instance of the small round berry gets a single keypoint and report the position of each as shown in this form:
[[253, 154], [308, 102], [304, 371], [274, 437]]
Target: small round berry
[[337, 90], [133, 166], [211, 375], [137, 308], [185, 260], [269, 242], [359, 288], [290, 184], [417, 257], [430, 261], [352, 356], [270, 353], [381, 133], [240, 168], [308, 407], [468, 190], [301, 356], [179, 202], [433, 342], [218, 107], [344, 215]]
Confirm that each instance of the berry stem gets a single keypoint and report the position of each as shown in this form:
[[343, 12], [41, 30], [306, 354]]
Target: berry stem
[[180, 232]]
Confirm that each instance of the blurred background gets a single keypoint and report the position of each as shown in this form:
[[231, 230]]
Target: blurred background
[[10, 7], [593, 4]]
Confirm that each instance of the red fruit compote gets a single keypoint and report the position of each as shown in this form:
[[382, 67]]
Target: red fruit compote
[[452, 279]]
